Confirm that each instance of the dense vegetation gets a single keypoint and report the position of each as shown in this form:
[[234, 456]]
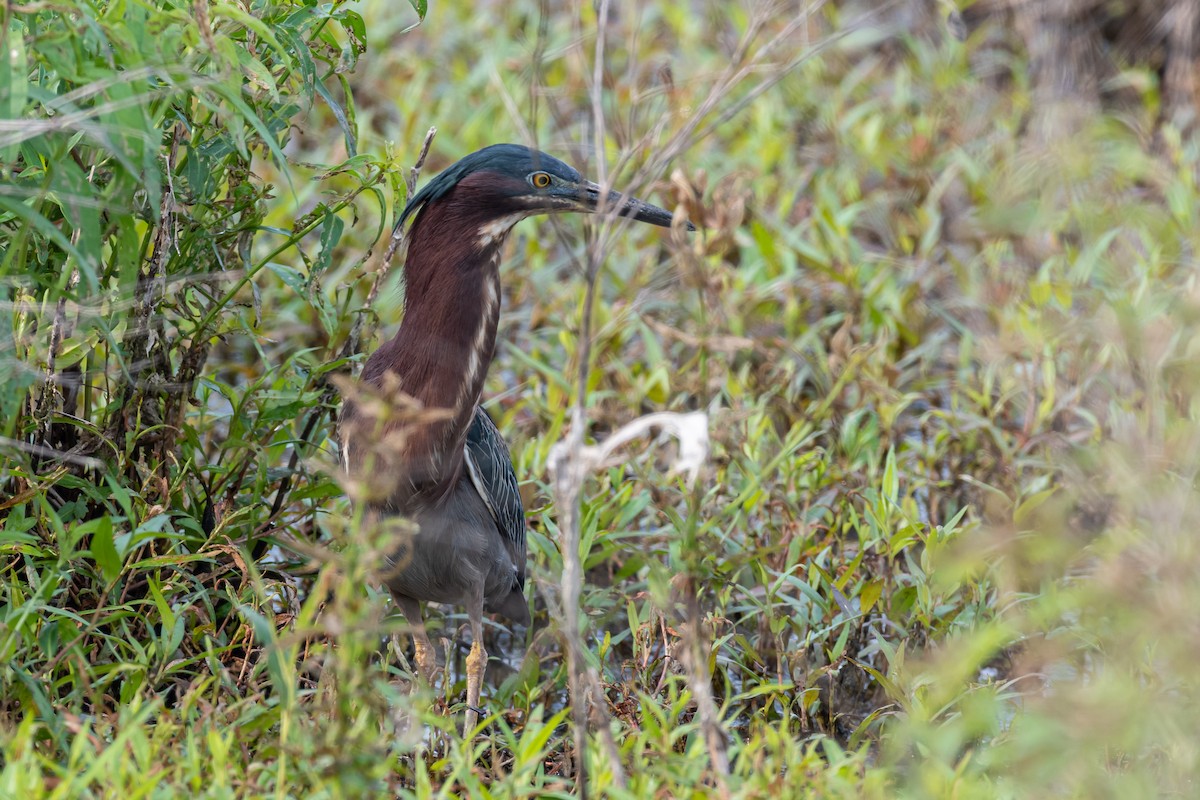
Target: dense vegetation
[[943, 324]]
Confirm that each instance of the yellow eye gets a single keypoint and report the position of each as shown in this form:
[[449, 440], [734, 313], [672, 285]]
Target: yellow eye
[[540, 180]]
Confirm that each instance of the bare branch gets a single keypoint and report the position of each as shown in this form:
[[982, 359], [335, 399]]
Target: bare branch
[[691, 430], [50, 454], [397, 231]]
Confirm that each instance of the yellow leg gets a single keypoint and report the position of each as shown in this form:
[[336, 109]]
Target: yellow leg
[[476, 664], [425, 657]]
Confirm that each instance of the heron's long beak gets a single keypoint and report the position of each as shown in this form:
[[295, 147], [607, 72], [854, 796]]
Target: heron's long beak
[[589, 198]]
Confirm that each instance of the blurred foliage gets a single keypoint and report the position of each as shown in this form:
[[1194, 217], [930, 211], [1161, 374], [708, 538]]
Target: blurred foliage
[[945, 544]]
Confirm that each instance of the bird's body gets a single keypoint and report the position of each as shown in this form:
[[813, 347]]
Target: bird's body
[[450, 472], [474, 538]]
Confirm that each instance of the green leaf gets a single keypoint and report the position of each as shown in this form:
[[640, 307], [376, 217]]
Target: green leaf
[[891, 478], [14, 82], [889, 686], [331, 234], [339, 114], [278, 665], [104, 550], [421, 7], [1028, 505], [870, 594], [839, 646], [291, 276]]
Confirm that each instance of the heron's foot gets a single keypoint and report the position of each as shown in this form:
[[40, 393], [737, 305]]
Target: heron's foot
[[476, 664]]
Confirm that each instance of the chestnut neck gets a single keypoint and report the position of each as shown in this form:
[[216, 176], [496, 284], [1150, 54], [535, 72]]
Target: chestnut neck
[[447, 339]]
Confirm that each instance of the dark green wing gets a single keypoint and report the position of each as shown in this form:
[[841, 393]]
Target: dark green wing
[[491, 470]]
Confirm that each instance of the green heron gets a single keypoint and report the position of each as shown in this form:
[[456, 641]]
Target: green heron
[[452, 474]]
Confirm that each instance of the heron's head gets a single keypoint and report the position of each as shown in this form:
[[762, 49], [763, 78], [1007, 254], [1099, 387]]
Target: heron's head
[[499, 185]]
